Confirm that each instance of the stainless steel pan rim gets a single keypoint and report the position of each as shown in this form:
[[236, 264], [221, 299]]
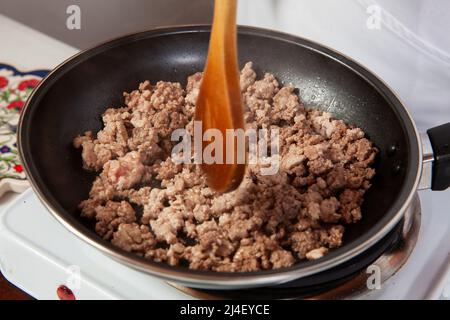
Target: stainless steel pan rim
[[223, 280]]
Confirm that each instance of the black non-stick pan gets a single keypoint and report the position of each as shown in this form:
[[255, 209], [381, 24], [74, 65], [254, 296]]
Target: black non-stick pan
[[74, 95]]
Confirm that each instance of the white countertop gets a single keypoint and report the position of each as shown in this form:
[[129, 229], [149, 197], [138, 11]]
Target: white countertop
[[28, 49]]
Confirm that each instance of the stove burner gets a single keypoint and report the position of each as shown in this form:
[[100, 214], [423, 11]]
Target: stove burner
[[344, 281]]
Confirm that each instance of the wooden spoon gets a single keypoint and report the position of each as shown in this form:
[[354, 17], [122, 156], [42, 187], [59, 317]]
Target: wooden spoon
[[219, 103]]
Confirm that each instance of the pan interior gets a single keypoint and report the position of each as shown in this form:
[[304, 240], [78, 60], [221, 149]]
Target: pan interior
[[73, 97]]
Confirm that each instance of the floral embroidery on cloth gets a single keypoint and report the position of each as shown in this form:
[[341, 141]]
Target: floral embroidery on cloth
[[15, 88]]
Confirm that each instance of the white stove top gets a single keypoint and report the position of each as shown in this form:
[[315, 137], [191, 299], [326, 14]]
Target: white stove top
[[37, 254]]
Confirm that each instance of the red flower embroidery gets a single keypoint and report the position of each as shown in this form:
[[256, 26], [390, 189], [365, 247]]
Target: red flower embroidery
[[18, 168], [16, 105], [28, 84], [3, 82]]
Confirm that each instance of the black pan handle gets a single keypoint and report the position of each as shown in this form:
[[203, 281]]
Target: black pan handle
[[440, 142]]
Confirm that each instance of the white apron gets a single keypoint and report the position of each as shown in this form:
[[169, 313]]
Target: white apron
[[410, 50]]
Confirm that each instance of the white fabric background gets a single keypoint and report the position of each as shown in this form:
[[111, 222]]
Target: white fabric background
[[411, 51]]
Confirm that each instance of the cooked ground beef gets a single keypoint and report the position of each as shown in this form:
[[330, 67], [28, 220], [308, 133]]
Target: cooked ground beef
[[268, 222]]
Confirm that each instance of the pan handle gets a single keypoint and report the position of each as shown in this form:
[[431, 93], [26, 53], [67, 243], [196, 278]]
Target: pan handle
[[436, 158]]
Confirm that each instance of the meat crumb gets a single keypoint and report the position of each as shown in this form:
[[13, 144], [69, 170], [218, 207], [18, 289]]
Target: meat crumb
[[316, 253]]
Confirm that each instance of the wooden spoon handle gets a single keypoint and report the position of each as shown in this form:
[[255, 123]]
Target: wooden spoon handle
[[219, 104], [223, 56]]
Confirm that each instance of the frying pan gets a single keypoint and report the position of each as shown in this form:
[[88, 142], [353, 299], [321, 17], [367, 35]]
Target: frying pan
[[74, 95]]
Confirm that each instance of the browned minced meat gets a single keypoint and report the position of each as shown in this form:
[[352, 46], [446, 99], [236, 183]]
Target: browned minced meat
[[145, 203]]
